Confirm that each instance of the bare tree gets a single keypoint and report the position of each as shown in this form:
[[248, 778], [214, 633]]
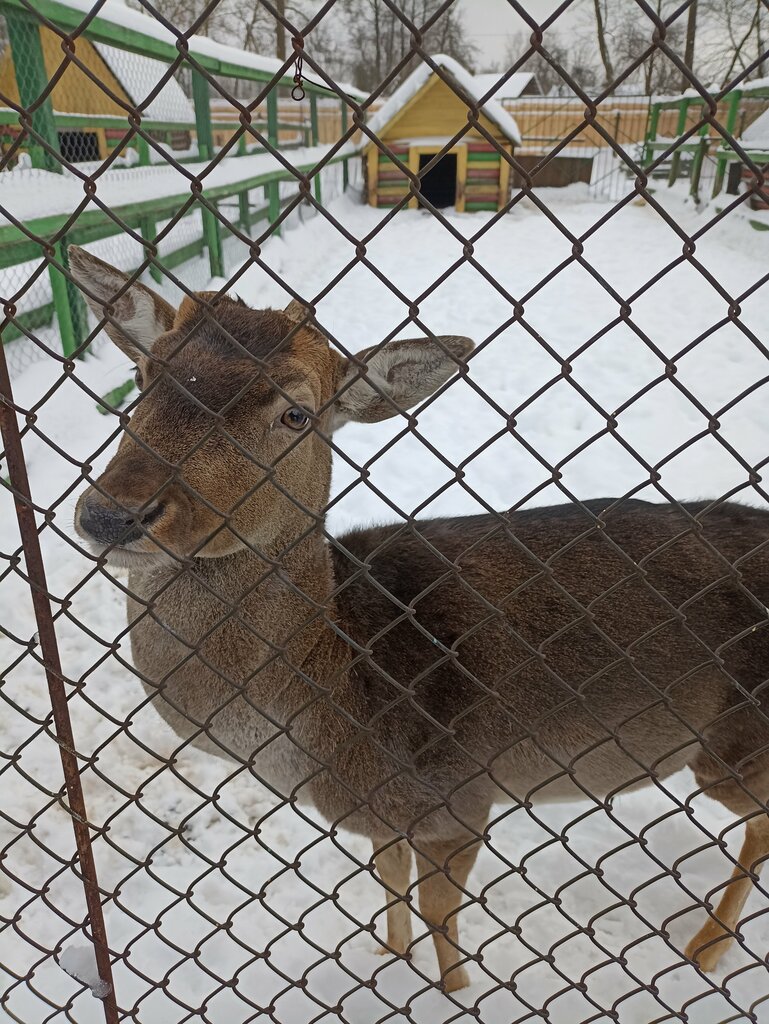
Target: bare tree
[[624, 34], [362, 40], [280, 30], [760, 45], [251, 26], [185, 14], [633, 38], [691, 33], [379, 39], [603, 44], [248, 25], [576, 58], [732, 37]]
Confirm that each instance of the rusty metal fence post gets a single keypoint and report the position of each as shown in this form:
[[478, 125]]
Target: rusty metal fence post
[[366, 633], [63, 736]]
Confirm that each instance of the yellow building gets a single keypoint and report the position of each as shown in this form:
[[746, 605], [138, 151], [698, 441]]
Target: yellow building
[[421, 117], [87, 102]]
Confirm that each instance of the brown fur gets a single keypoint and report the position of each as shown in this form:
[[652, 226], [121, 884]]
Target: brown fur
[[403, 679]]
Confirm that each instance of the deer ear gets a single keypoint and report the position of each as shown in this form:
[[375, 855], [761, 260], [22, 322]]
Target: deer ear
[[137, 315], [397, 377], [298, 312]]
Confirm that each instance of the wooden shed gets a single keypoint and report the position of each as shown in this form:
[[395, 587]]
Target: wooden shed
[[419, 120]]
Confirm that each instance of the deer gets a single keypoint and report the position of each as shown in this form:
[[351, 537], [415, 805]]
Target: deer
[[404, 679]]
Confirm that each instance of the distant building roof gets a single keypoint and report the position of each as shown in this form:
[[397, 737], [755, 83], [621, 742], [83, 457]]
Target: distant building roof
[[520, 83], [757, 132], [466, 82], [139, 76]]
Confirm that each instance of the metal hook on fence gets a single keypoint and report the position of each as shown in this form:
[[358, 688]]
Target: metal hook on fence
[[298, 93]]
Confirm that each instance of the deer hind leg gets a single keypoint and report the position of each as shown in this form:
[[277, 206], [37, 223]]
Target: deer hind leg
[[443, 868], [717, 934], [393, 865]]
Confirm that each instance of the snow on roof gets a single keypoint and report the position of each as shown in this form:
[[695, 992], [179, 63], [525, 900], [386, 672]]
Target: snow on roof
[[467, 84], [118, 14], [757, 132], [509, 90], [755, 83], [139, 76]]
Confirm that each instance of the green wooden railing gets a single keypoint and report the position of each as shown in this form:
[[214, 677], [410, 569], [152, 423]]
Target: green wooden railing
[[48, 237], [700, 144]]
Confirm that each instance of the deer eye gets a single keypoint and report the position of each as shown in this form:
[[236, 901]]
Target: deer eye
[[296, 419], [138, 378]]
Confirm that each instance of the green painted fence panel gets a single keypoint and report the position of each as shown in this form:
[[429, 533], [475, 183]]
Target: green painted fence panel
[[32, 82]]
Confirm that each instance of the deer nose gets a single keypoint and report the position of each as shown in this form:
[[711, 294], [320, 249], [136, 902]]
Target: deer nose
[[110, 525]]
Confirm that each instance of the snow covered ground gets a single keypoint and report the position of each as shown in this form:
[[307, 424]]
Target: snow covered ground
[[183, 857]]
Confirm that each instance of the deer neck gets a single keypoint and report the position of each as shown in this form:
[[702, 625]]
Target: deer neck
[[240, 658], [270, 596]]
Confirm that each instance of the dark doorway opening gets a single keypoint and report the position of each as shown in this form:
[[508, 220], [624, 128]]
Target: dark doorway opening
[[439, 185], [78, 146]]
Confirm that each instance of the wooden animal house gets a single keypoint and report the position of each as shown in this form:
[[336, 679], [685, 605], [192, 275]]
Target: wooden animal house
[[419, 120], [90, 106]]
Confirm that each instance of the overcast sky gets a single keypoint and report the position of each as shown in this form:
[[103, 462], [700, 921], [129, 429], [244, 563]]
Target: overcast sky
[[491, 24]]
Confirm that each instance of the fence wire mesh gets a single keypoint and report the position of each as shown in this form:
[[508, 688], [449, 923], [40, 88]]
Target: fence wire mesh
[[475, 691]]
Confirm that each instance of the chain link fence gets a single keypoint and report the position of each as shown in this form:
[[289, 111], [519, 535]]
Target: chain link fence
[[514, 736]]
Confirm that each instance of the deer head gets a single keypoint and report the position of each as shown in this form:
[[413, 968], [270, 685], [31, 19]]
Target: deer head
[[227, 445]]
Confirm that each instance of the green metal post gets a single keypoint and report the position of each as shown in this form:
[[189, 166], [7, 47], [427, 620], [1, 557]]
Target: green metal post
[[244, 211], [314, 133], [32, 80], [273, 193], [345, 171], [675, 162], [149, 233], [699, 159], [202, 102], [733, 100], [651, 133], [143, 149], [213, 241], [314, 137], [68, 303]]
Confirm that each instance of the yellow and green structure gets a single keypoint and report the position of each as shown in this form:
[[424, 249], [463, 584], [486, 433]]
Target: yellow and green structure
[[423, 117]]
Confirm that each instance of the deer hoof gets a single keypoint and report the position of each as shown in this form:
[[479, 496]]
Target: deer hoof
[[454, 979], [708, 946]]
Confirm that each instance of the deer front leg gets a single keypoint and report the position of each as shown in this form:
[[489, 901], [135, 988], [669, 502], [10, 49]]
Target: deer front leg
[[443, 871], [717, 934], [393, 865]]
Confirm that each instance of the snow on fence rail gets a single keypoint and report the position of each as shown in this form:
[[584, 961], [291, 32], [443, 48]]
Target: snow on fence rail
[[286, 747], [124, 72], [38, 204], [680, 127]]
